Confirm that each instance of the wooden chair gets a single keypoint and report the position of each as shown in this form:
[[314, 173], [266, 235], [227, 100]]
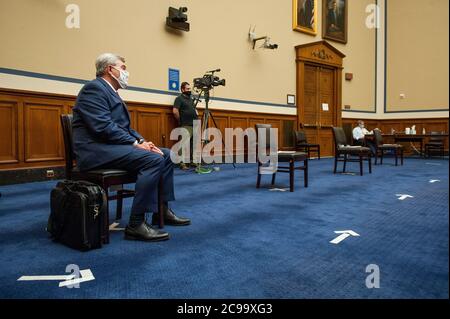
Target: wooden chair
[[290, 158], [102, 177], [342, 148], [348, 130], [435, 145], [380, 148], [302, 145]]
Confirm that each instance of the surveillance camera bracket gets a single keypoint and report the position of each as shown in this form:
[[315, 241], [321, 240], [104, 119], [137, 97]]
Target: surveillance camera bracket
[[252, 37]]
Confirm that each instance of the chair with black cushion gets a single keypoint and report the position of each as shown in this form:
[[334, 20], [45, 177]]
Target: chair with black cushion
[[435, 145], [102, 177], [348, 130], [287, 157], [344, 152], [302, 145], [381, 148]]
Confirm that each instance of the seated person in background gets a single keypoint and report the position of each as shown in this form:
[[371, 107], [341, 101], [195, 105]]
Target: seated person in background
[[359, 133], [104, 139]]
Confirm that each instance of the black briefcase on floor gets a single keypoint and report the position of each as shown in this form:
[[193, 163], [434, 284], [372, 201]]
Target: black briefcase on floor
[[78, 210]]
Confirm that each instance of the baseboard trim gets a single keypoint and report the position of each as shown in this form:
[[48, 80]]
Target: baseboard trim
[[20, 176]]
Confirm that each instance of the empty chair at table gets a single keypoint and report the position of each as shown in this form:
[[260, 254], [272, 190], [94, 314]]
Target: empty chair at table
[[435, 145]]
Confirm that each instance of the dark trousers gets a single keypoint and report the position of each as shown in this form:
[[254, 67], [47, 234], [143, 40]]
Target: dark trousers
[[366, 143], [149, 167]]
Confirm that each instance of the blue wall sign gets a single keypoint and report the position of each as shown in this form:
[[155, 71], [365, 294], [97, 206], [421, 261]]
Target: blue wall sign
[[174, 80]]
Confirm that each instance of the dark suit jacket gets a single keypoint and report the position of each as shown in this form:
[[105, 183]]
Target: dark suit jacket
[[101, 126]]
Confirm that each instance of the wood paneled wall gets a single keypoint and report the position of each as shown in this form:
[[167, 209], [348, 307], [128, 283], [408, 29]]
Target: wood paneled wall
[[31, 136], [30, 131]]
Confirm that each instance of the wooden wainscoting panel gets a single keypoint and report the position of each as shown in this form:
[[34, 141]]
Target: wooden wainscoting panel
[[222, 122], [9, 152], [240, 122], [171, 123], [133, 119], [69, 105], [42, 131], [438, 127], [252, 121], [387, 127], [150, 126], [277, 125], [369, 124], [288, 138]]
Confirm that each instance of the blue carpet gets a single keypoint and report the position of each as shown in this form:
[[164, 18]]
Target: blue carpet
[[249, 243]]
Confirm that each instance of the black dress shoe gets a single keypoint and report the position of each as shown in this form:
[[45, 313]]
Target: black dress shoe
[[145, 232], [170, 218]]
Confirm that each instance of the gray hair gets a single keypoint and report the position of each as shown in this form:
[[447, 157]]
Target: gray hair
[[104, 60]]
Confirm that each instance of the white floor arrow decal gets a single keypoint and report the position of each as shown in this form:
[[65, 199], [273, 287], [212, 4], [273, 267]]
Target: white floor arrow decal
[[67, 280], [434, 181], [85, 275], [278, 189], [403, 196], [344, 234]]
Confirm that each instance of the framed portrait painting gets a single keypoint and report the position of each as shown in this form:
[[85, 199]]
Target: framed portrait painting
[[334, 17], [305, 16]]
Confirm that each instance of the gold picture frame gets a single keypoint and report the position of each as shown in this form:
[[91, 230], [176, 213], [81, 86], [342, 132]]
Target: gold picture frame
[[304, 16], [335, 20]]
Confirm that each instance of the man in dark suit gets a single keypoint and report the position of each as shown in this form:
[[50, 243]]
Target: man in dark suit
[[333, 17], [103, 138]]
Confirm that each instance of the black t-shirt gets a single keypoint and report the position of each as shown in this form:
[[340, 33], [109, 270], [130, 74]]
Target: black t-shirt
[[185, 105]]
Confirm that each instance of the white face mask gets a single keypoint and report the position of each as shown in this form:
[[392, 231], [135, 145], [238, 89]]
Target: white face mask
[[123, 78]]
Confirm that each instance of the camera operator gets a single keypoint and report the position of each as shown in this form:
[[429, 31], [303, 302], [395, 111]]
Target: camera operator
[[185, 113]]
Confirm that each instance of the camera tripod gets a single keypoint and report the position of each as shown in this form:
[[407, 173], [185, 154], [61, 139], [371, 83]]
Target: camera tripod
[[205, 121]]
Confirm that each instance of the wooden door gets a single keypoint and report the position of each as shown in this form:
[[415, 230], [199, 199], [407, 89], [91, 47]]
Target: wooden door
[[9, 150], [326, 111], [319, 108], [309, 116], [319, 72]]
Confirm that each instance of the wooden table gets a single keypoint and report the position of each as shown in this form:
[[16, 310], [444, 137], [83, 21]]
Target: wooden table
[[413, 138]]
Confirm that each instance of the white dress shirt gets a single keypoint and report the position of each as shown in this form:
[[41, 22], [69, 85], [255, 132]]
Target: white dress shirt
[[359, 133], [112, 87]]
